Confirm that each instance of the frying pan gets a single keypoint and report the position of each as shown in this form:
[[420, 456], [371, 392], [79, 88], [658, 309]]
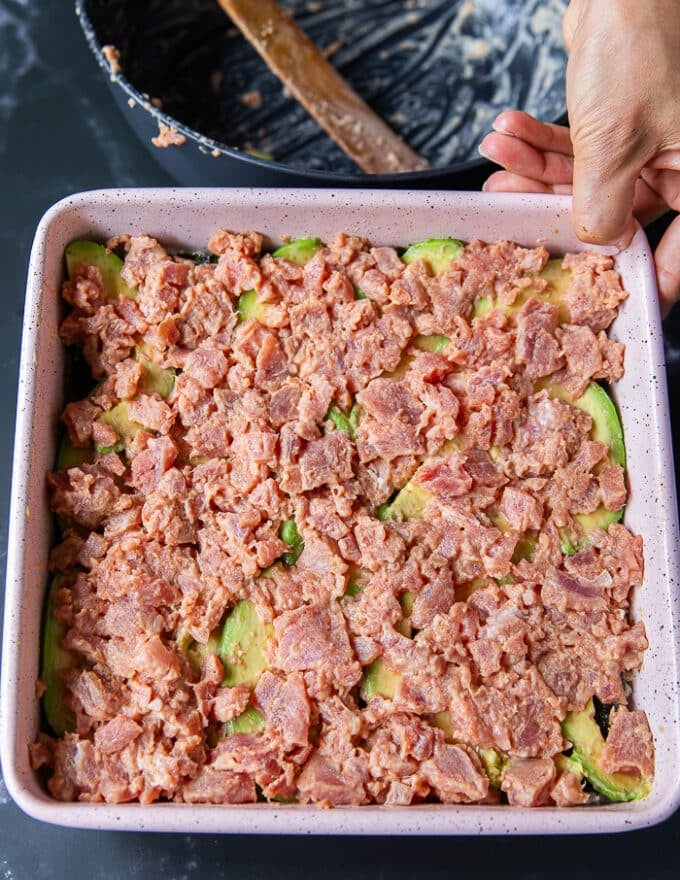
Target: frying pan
[[438, 71]]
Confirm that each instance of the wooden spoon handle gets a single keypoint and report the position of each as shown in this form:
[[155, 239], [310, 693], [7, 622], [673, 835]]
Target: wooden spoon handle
[[316, 84]]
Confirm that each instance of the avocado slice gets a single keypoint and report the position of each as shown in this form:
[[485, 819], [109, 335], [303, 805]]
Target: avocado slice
[[403, 626], [339, 419], [349, 422], [379, 681], [354, 588], [494, 762], [482, 306], [525, 548], [442, 721], [69, 456], [249, 721], [289, 535], [433, 344], [55, 661], [249, 306], [406, 601], [412, 499], [242, 645], [159, 380], [465, 590], [126, 429], [436, 253], [194, 651], [300, 251], [606, 423], [409, 503], [606, 429], [583, 731], [156, 379], [558, 280], [526, 544], [356, 578], [89, 253]]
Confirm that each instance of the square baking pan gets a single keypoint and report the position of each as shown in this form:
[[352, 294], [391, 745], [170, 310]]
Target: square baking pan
[[184, 219]]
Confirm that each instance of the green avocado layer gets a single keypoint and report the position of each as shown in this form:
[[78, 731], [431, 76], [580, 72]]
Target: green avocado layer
[[583, 731], [89, 253]]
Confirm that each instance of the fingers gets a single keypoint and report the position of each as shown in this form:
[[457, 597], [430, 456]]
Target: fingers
[[666, 184], [668, 160], [542, 135], [649, 205], [520, 157], [506, 181], [611, 132], [667, 262]]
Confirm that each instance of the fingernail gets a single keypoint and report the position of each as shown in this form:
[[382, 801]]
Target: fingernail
[[622, 243], [485, 152], [624, 240], [484, 189], [501, 123]]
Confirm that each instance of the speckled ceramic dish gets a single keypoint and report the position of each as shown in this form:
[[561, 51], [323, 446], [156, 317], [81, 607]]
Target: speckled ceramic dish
[[185, 218]]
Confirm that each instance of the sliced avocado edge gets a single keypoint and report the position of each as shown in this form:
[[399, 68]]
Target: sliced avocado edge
[[242, 645], [249, 721], [156, 379], [290, 535], [299, 251], [436, 253], [558, 280], [583, 732], [347, 422], [196, 652], [379, 681], [55, 661], [249, 306], [433, 344], [88, 253], [69, 456]]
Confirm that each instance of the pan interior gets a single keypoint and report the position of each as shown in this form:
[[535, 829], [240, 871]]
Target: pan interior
[[437, 71]]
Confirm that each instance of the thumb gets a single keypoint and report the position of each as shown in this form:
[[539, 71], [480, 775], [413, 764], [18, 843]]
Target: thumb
[[605, 174], [666, 184]]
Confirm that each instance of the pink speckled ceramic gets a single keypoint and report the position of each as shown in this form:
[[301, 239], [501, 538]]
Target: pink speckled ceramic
[[185, 218]]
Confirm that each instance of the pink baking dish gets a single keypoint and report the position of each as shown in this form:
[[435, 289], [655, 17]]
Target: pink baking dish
[[185, 218]]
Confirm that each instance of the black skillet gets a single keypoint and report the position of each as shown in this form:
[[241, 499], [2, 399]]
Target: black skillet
[[438, 71]]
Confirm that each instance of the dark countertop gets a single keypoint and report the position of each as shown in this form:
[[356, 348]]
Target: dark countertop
[[60, 133]]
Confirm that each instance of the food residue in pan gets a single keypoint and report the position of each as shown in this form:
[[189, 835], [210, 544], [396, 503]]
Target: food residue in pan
[[168, 137], [438, 71]]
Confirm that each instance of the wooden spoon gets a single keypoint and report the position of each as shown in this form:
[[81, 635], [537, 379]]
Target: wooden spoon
[[317, 85]]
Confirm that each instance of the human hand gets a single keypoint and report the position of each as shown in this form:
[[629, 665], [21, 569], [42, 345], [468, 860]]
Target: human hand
[[538, 157], [623, 79]]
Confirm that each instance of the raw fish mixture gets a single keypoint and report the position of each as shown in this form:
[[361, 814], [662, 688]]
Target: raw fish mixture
[[342, 525]]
